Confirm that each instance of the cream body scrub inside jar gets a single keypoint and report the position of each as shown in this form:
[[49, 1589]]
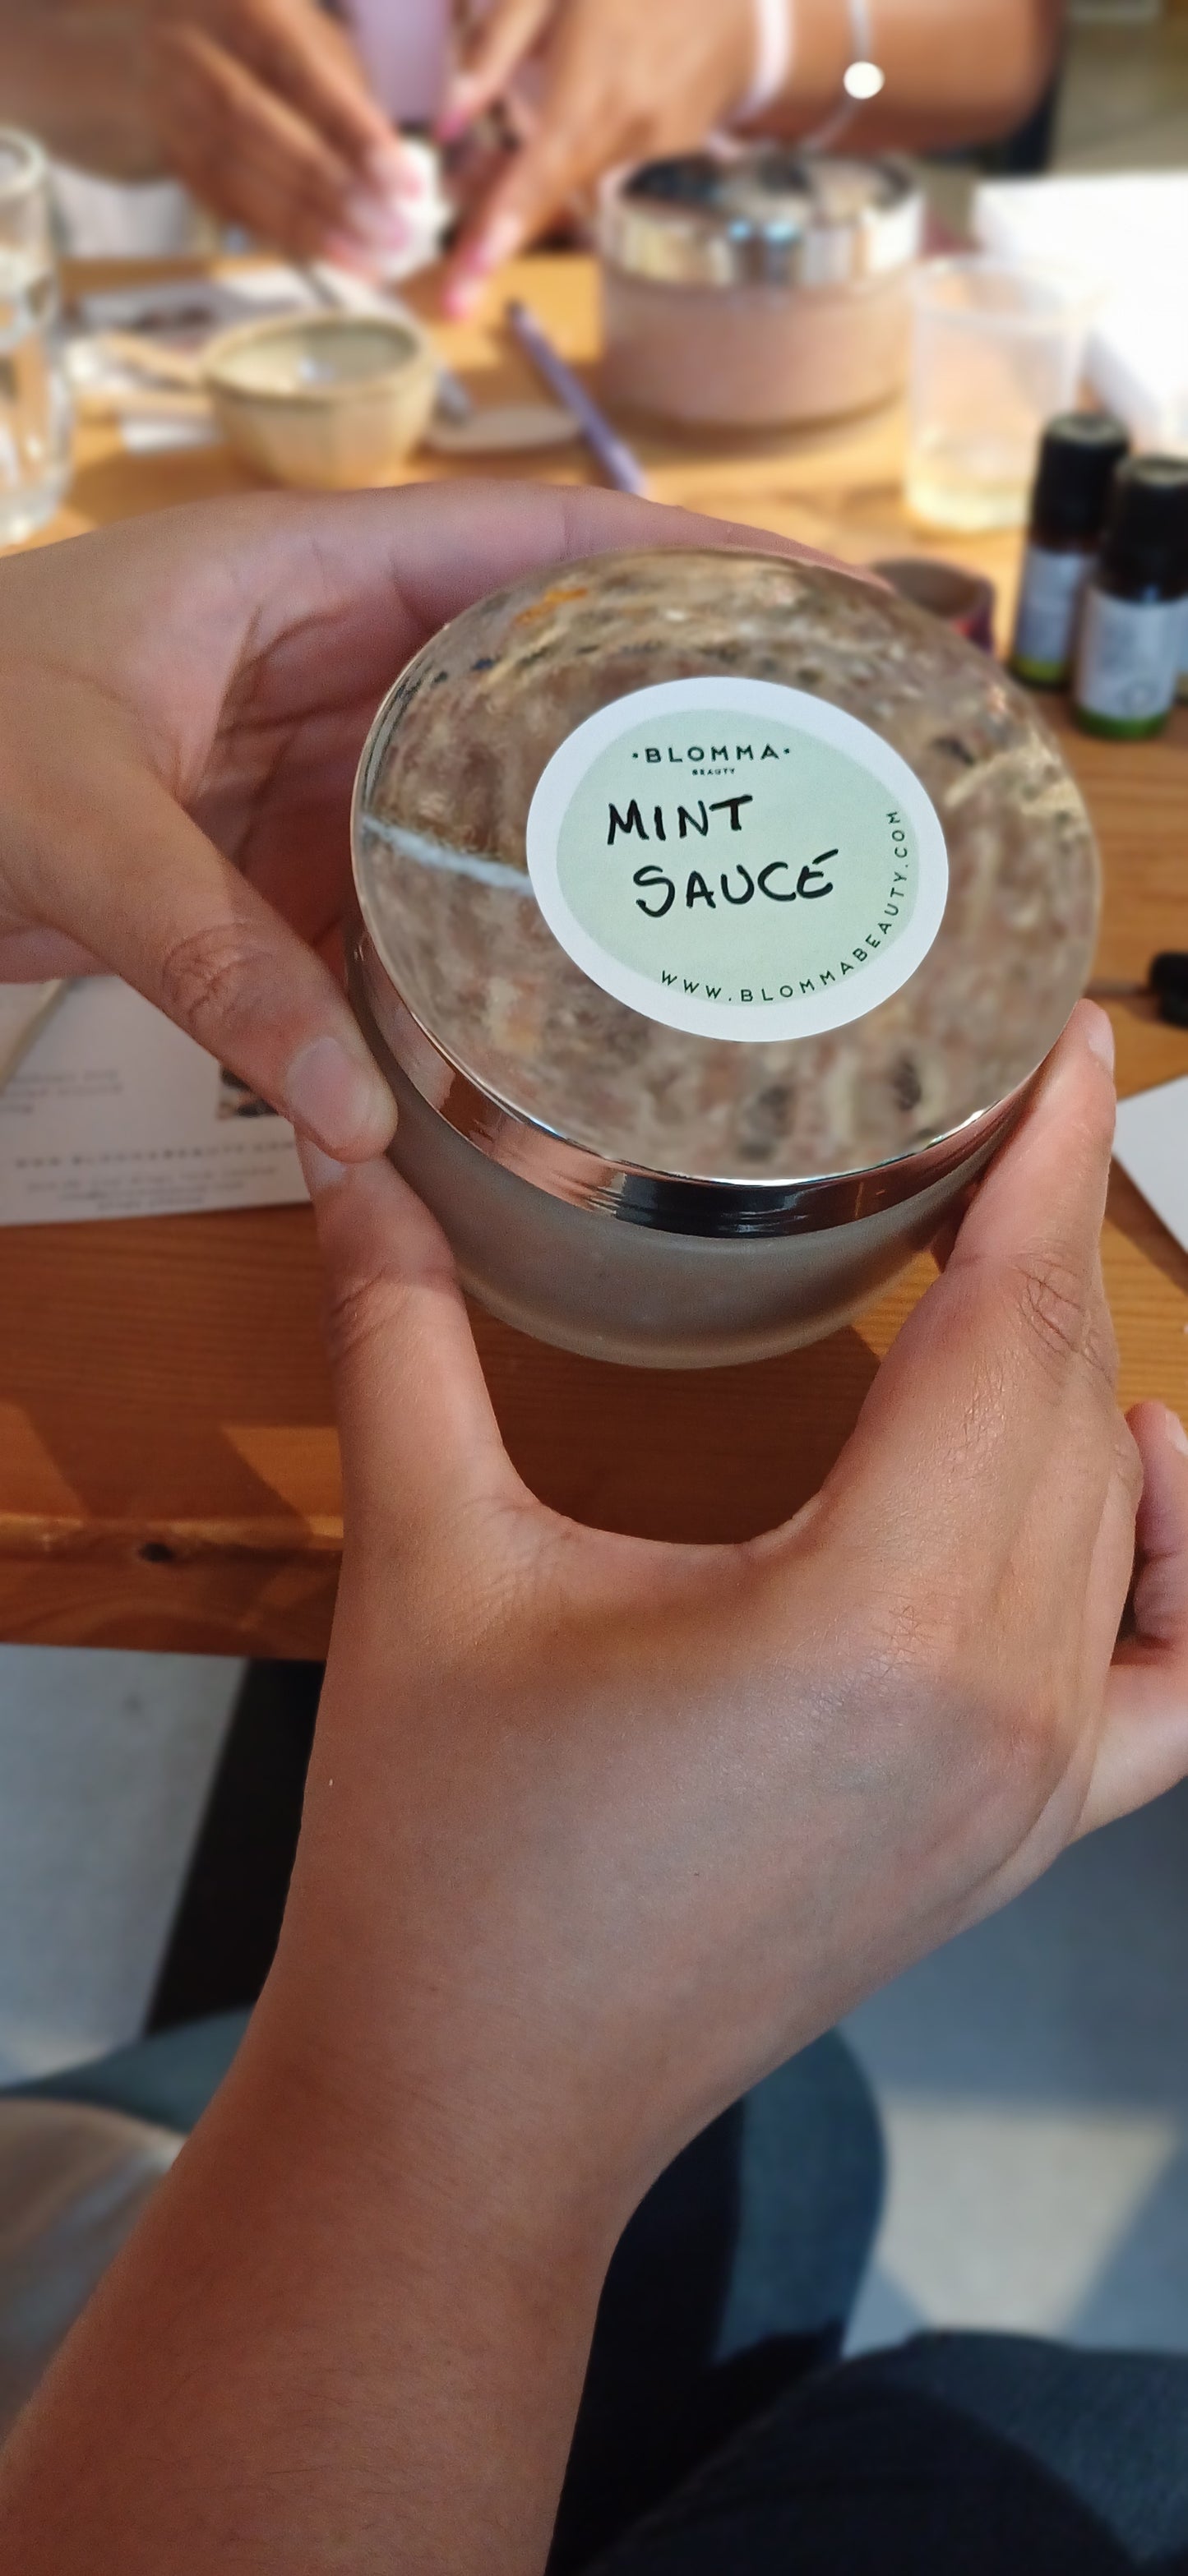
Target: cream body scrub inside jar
[[715, 913], [759, 291]]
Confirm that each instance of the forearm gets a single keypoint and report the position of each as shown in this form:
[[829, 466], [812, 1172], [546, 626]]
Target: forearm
[[953, 75], [73, 74], [325, 2334]]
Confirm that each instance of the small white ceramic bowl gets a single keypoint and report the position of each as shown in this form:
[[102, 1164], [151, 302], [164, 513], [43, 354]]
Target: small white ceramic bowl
[[328, 401]]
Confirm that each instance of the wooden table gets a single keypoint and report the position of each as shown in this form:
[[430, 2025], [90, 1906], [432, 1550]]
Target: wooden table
[[168, 1466]]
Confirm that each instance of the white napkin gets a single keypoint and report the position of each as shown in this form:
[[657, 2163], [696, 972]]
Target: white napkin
[[1126, 233], [1151, 1144]]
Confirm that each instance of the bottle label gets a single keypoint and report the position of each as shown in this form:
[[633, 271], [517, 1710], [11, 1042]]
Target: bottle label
[[1128, 657], [1045, 621], [737, 859]]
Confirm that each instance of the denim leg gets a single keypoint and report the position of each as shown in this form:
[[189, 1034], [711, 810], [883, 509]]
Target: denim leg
[[954, 2455], [735, 2276], [168, 2078]]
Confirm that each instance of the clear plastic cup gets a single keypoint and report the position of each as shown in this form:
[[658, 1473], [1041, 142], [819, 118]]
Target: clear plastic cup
[[35, 407], [996, 349]]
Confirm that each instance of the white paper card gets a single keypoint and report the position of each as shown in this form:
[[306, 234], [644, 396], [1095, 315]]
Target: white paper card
[[114, 1112], [1151, 1144], [23, 1008]]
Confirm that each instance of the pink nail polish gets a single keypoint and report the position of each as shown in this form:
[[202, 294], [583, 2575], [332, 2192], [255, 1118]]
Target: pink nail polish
[[376, 219], [391, 172], [459, 298], [500, 240], [458, 111], [384, 166], [345, 250]]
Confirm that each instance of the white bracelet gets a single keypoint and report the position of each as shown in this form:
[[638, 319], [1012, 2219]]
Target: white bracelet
[[774, 49], [863, 77]]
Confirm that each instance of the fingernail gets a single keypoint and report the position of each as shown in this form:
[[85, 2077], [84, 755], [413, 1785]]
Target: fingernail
[[458, 107], [392, 172], [462, 289], [1099, 1035], [493, 246], [459, 297], [338, 1100], [320, 1171], [1175, 1431], [344, 250], [376, 219]]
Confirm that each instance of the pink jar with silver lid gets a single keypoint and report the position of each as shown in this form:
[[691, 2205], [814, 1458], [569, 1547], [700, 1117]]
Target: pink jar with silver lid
[[759, 290]]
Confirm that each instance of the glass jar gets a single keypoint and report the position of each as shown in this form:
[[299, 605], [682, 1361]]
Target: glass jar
[[715, 913], [758, 291]]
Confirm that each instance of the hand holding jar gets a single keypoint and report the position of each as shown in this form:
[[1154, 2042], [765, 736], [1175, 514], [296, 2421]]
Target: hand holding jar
[[596, 1832], [183, 699]]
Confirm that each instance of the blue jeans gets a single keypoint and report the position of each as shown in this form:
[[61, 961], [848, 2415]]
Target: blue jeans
[[718, 2434], [732, 2281], [955, 2455]]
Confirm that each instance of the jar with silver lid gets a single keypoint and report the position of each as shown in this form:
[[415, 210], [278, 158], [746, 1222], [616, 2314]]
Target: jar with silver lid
[[715, 913], [762, 288]]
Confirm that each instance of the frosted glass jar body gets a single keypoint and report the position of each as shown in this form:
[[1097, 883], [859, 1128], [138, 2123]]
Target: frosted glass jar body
[[588, 1280], [615, 1178], [753, 355]]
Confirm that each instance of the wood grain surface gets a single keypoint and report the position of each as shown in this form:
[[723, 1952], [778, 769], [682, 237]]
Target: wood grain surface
[[168, 1466]]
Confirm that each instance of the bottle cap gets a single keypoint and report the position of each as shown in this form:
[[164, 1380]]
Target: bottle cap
[[1078, 454], [1146, 539]]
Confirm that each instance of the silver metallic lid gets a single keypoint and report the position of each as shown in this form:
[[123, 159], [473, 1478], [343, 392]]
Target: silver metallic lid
[[663, 1202], [762, 216]]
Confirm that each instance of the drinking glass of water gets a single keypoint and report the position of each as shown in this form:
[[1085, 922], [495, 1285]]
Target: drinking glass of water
[[35, 408], [997, 348]]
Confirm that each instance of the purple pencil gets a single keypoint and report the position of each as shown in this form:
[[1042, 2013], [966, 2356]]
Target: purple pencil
[[620, 466]]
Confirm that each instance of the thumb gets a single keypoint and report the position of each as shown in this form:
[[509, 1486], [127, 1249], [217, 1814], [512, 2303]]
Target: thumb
[[420, 1443], [1144, 1744], [1001, 1383]]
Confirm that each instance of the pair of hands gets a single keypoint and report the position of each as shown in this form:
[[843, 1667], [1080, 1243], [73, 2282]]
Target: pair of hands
[[835, 1745], [263, 107], [596, 1830]]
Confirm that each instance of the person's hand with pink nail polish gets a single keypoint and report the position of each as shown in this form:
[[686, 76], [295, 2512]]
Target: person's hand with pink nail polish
[[596, 85], [263, 108], [613, 83], [183, 700]]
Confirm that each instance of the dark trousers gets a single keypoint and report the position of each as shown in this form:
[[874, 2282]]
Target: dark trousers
[[734, 2278], [718, 2434], [955, 2455]]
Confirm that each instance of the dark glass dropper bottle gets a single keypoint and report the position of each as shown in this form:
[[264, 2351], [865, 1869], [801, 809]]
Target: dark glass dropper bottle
[[1078, 455], [1128, 648]]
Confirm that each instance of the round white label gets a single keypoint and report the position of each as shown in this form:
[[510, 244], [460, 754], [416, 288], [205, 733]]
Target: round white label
[[737, 859]]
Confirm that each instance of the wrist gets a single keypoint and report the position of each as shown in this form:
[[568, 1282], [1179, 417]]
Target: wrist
[[429, 2074], [820, 48]]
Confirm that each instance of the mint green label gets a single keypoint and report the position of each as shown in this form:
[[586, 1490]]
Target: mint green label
[[737, 859]]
